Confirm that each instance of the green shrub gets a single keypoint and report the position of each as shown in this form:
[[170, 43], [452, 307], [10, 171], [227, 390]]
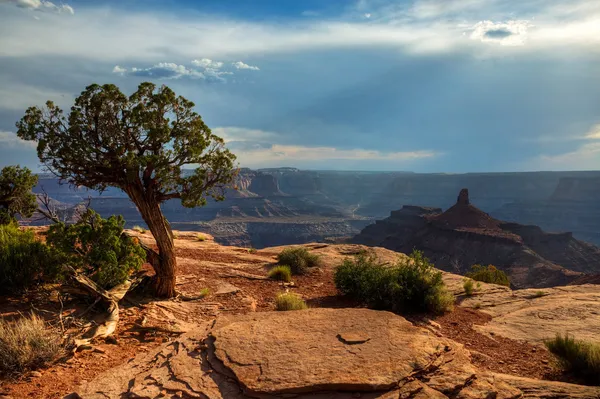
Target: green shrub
[[538, 294], [24, 260], [98, 248], [138, 229], [251, 250], [27, 344], [580, 357], [281, 273], [298, 259], [469, 287], [289, 301], [200, 237], [410, 285], [489, 274]]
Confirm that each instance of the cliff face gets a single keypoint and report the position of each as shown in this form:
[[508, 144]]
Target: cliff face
[[464, 235]]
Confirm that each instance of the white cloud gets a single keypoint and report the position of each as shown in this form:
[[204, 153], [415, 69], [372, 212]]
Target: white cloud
[[207, 63], [239, 134], [119, 70], [241, 65], [367, 15], [41, 5], [255, 147], [510, 33], [594, 133], [11, 140], [278, 154], [162, 70]]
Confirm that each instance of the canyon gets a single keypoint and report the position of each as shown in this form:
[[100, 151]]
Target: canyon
[[289, 206]]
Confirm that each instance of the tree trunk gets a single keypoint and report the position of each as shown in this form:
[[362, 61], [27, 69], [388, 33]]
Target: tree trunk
[[164, 281]]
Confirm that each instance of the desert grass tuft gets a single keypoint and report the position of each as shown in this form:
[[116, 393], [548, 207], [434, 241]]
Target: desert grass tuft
[[289, 301], [281, 273], [27, 344], [579, 357], [298, 259]]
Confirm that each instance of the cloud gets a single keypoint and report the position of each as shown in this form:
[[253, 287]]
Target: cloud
[[119, 70], [594, 133], [510, 33], [255, 147], [11, 140], [241, 65], [209, 71], [586, 157], [162, 70], [277, 154], [41, 5], [110, 34], [207, 63]]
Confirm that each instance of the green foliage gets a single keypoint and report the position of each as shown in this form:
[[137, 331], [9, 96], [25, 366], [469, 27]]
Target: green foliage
[[27, 344], [468, 286], [289, 301], [200, 237], [251, 250], [97, 247], [24, 260], [138, 229], [141, 141], [410, 285], [298, 259], [580, 357], [538, 294], [281, 273], [489, 274], [16, 197]]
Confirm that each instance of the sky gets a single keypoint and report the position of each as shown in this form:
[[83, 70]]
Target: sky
[[447, 86]]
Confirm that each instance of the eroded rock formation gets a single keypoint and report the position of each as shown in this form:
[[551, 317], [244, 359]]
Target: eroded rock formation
[[464, 235]]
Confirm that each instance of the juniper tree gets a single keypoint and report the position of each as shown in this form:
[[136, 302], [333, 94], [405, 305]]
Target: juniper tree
[[139, 144], [16, 197]]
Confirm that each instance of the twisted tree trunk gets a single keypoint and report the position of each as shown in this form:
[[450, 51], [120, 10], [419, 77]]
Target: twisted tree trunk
[[164, 281]]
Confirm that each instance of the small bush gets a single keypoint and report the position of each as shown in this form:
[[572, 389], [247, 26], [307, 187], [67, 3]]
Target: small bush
[[581, 358], [298, 259], [289, 301], [469, 287], [489, 274], [139, 229], [281, 273], [410, 285], [538, 294], [251, 250], [27, 344], [24, 260], [200, 237], [98, 248]]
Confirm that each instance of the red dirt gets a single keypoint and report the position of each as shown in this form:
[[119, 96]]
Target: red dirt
[[495, 353]]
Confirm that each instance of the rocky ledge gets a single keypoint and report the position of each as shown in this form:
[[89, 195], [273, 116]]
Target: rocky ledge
[[316, 353]]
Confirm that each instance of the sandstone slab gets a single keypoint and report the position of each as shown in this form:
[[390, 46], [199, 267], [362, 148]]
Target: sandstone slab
[[535, 315], [301, 355]]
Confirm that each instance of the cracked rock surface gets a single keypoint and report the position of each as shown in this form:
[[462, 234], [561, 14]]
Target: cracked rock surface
[[319, 354]]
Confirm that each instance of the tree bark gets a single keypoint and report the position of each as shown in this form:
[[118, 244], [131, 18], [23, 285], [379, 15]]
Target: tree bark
[[164, 281]]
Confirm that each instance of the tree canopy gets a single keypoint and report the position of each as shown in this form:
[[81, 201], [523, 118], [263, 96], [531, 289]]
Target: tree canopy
[[109, 139], [16, 197]]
